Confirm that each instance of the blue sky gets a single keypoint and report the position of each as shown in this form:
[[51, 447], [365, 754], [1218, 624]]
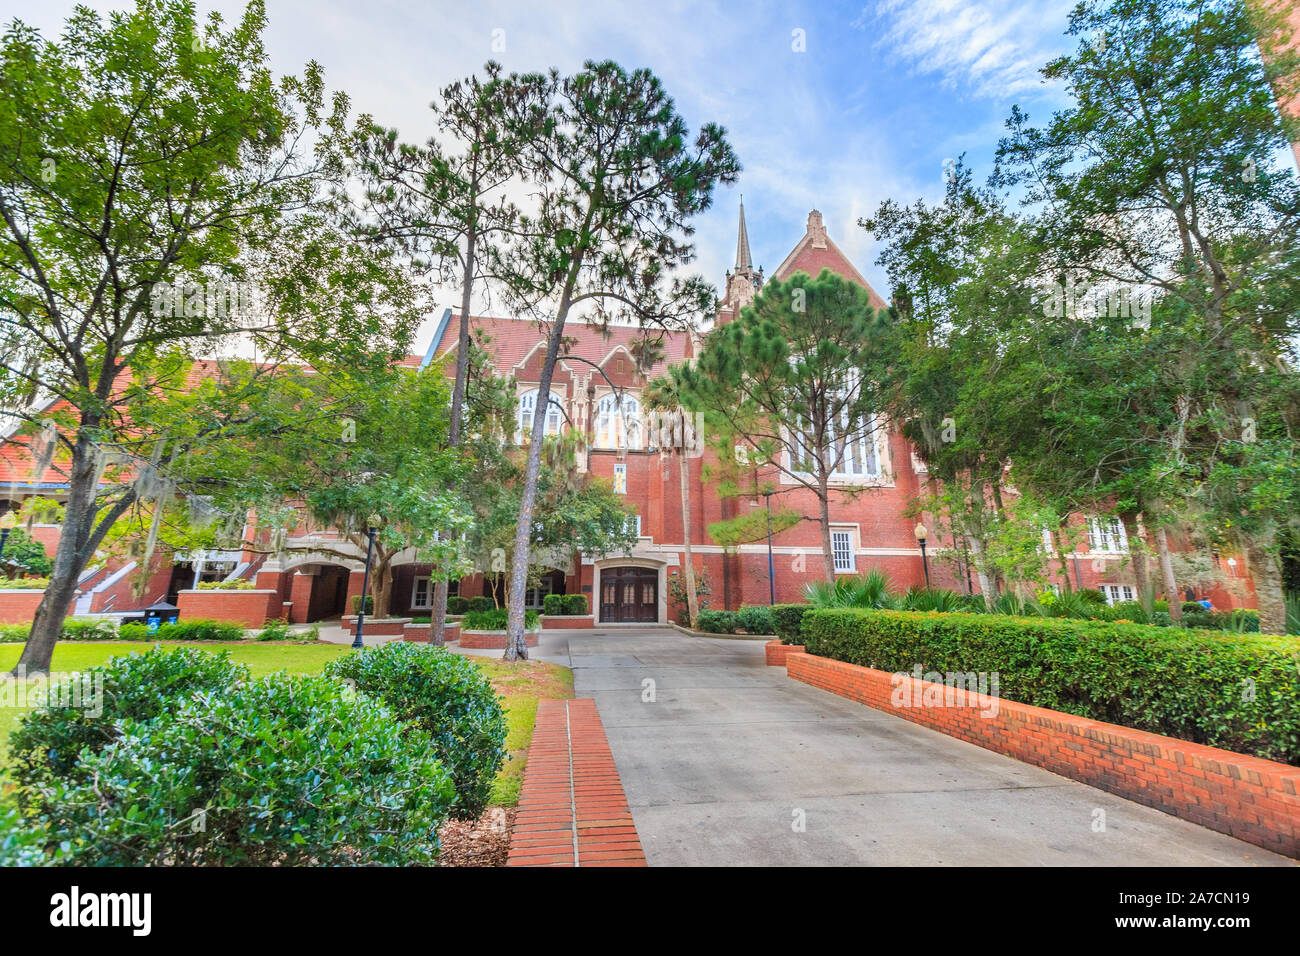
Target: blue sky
[[881, 95]]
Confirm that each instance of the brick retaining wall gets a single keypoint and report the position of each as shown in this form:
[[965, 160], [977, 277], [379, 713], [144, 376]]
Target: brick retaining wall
[[493, 639], [776, 652], [1249, 798]]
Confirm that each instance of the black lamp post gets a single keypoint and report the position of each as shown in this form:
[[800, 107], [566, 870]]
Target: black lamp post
[[771, 567], [357, 643], [920, 532]]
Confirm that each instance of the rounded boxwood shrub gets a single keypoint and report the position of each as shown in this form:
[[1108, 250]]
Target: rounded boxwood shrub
[[756, 620], [457, 605], [717, 622], [199, 629], [576, 604], [553, 604], [446, 701], [787, 621], [52, 741], [286, 770], [481, 603]]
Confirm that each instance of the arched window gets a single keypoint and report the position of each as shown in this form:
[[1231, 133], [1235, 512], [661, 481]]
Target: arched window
[[528, 408], [618, 427]]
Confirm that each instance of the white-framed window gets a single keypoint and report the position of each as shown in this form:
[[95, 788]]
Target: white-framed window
[[620, 478], [842, 551], [618, 426], [634, 524], [1107, 534], [849, 446], [535, 595], [421, 594], [1115, 593], [528, 408]]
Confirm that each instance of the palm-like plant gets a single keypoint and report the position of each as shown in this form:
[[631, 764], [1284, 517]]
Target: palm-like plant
[[871, 590]]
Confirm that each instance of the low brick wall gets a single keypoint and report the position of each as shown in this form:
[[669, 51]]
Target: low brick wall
[[423, 633], [18, 605], [378, 626], [249, 608], [490, 639], [1246, 797], [552, 622], [777, 652]]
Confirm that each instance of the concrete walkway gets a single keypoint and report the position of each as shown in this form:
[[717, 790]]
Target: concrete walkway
[[726, 761]]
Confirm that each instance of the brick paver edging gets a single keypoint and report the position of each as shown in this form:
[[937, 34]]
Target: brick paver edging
[[572, 809], [1249, 798]]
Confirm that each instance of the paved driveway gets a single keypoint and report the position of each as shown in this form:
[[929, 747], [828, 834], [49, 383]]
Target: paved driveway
[[721, 756]]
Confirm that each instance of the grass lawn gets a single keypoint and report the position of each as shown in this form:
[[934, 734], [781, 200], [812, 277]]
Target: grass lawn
[[521, 683]]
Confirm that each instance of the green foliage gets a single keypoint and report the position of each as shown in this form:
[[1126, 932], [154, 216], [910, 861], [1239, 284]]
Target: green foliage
[[787, 621], [52, 741], [576, 604], [480, 603], [370, 603], [446, 701], [199, 629], [25, 553], [869, 590], [25, 584], [1225, 690], [74, 629], [756, 619], [495, 619], [274, 631], [457, 605], [718, 622], [238, 584], [283, 771], [932, 599], [553, 604], [564, 604]]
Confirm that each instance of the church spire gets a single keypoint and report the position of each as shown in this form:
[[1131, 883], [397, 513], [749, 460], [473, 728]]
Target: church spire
[[743, 261]]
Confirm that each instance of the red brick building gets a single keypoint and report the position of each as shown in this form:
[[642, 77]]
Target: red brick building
[[869, 515]]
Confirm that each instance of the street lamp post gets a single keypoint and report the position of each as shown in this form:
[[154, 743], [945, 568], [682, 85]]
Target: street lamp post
[[771, 566], [920, 532], [357, 643]]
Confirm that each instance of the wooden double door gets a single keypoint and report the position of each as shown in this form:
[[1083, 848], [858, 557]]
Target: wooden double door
[[629, 596]]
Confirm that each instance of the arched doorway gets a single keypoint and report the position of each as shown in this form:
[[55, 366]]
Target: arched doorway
[[629, 595]]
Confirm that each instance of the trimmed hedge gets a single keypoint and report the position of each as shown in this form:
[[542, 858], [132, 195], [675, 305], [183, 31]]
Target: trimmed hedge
[[495, 619], [457, 605], [787, 621], [199, 629], [756, 619], [446, 701], [1237, 692], [553, 604], [480, 603], [717, 622], [576, 604], [74, 629]]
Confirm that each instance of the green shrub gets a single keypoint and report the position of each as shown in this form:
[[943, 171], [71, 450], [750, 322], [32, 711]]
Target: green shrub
[[553, 604], [495, 619], [274, 631], [1193, 607], [24, 584], [932, 599], [447, 701], [1092, 596], [51, 740], [199, 629], [356, 604], [756, 619], [480, 603], [422, 619], [1185, 684], [576, 604], [74, 629], [457, 605], [871, 590], [286, 770], [717, 622], [236, 584], [787, 620], [25, 552]]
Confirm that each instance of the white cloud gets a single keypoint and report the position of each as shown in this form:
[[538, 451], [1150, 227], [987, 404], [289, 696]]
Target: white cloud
[[983, 48]]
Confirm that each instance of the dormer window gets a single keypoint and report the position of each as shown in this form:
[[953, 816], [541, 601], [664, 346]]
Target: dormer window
[[528, 408], [618, 426]]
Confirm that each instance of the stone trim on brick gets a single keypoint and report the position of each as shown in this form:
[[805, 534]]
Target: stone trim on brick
[[572, 809], [1249, 798]]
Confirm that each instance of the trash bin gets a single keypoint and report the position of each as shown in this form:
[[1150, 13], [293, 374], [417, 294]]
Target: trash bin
[[156, 615]]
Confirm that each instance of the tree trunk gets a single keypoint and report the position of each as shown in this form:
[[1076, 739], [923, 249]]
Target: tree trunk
[[981, 572], [1267, 573], [824, 518], [516, 646], [684, 473], [1066, 586], [78, 539], [381, 586], [1167, 574], [1137, 555], [438, 632]]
